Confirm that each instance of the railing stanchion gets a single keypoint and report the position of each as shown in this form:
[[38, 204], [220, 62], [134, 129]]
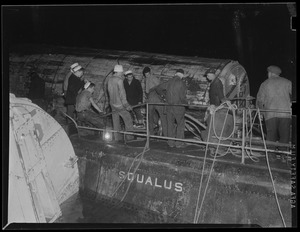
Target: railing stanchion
[[147, 123], [243, 138]]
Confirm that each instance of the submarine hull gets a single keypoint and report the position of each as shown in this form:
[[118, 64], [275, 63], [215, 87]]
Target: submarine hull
[[175, 186]]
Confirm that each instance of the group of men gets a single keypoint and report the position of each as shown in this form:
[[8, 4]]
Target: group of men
[[273, 100], [126, 94]]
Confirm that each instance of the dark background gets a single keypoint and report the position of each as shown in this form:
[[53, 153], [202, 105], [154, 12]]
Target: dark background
[[256, 35]]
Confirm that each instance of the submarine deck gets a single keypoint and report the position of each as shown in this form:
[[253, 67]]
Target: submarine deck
[[189, 152]]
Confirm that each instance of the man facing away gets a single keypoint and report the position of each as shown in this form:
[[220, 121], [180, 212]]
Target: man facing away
[[134, 94], [275, 94], [118, 102], [175, 94], [84, 101]]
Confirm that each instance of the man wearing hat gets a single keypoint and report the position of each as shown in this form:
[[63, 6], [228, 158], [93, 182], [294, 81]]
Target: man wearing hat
[[134, 94], [74, 86], [275, 94], [175, 93], [66, 80], [118, 102], [84, 101], [216, 93]]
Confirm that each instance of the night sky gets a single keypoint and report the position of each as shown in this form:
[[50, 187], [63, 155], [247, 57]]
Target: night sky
[[203, 30]]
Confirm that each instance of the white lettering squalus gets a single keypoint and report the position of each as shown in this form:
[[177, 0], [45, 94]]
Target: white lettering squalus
[[152, 181]]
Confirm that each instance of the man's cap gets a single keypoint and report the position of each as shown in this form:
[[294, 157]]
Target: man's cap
[[74, 65], [179, 72], [87, 84], [77, 68], [146, 70], [118, 68], [274, 69], [210, 74], [128, 72]]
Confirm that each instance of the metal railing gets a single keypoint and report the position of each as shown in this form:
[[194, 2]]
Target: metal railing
[[245, 141]]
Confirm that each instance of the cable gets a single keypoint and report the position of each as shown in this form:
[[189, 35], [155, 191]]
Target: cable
[[119, 185], [233, 107], [200, 187], [197, 217], [197, 212], [265, 146]]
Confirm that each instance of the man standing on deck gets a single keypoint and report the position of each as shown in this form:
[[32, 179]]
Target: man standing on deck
[[84, 101], [134, 95], [74, 86], [150, 82], [216, 93], [175, 90], [220, 127], [118, 102], [275, 94], [66, 80]]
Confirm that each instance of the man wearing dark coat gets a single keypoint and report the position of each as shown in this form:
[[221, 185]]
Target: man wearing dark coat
[[134, 94]]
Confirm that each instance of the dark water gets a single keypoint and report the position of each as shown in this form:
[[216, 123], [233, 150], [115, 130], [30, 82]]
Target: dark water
[[79, 209], [82, 212], [86, 209]]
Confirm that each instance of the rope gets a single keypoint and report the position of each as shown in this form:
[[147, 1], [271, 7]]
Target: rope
[[200, 187], [232, 107], [198, 211], [250, 154], [197, 217], [213, 112], [119, 185], [275, 193]]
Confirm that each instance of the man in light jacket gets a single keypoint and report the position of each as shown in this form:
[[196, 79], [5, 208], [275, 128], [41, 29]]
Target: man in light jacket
[[118, 103], [275, 94]]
